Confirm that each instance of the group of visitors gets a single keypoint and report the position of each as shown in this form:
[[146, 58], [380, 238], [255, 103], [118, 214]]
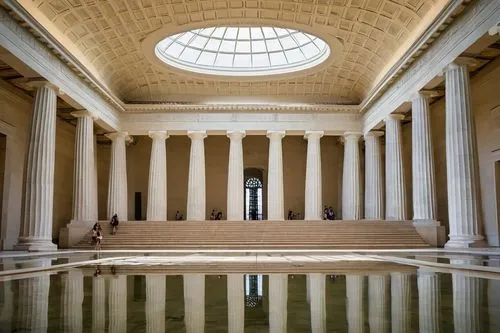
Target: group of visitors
[[216, 215], [178, 216], [97, 231], [294, 215], [328, 213]]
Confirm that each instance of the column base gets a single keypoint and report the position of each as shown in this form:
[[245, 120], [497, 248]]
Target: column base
[[30, 244], [431, 231], [466, 242]]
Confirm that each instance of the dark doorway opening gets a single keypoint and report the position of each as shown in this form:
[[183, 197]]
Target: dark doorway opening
[[138, 206]]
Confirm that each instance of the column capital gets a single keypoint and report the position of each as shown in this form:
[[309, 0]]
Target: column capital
[[394, 116], [352, 135], [373, 134], [84, 113], [159, 135], [425, 94], [236, 134], [197, 135], [275, 134], [115, 135], [317, 134], [455, 65], [39, 83]]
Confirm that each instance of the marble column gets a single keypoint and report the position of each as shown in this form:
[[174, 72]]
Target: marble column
[[317, 302], [429, 301], [235, 193], [423, 179], [466, 303], [275, 201], [351, 178], [98, 304], [117, 188], [117, 302], [461, 161], [313, 210], [33, 300], [395, 186], [235, 303], [355, 310], [401, 302], [194, 303], [84, 182], [278, 298], [71, 301], [157, 190], [36, 232], [378, 303], [374, 181], [155, 303], [196, 182]]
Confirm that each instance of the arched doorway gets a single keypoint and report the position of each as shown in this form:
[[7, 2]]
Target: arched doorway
[[253, 199]]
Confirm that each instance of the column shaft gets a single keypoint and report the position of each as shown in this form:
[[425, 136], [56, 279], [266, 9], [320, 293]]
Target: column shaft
[[313, 195], [355, 310], [317, 303], [401, 302], [157, 190], [351, 182], [429, 301], [98, 304], [117, 302], [194, 303], [378, 303], [72, 301], [466, 303], [117, 189], [275, 201], [461, 161], [278, 297], [235, 198], [155, 303], [374, 184], [196, 183], [235, 303]]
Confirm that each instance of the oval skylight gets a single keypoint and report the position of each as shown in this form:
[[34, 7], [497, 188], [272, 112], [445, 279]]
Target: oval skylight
[[242, 51]]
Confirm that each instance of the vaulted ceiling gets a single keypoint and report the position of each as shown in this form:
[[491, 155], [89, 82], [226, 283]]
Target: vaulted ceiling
[[107, 38]]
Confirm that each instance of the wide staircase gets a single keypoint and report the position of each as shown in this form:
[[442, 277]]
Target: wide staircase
[[259, 234]]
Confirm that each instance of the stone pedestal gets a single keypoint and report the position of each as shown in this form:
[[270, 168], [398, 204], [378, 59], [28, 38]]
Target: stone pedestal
[[317, 302], [351, 179], [71, 301], [278, 298], [235, 193], [355, 309], [378, 303], [395, 187], [429, 301], [117, 189], [461, 162], [98, 304], [155, 303], [313, 210], [194, 303], [401, 302], [117, 301], [275, 203], [36, 232], [374, 181], [235, 303], [157, 190], [196, 182]]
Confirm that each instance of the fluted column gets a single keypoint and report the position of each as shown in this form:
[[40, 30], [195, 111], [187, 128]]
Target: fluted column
[[235, 303], [117, 188], [429, 301], [355, 310], [98, 304], [278, 297], [155, 303], [378, 303], [117, 301], [395, 186], [33, 300], [235, 199], [374, 181], [196, 183], [275, 201], [423, 179], [71, 301], [317, 302], [314, 196], [461, 161], [351, 179], [157, 190], [84, 182], [401, 302], [36, 232], [194, 303], [466, 303]]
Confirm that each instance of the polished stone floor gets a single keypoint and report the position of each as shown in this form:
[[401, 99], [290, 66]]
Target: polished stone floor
[[318, 291]]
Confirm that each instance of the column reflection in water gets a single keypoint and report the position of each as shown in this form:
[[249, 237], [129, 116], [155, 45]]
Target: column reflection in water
[[494, 299], [194, 302], [400, 302], [278, 299], [7, 298], [429, 301], [466, 300], [377, 303], [117, 301], [98, 304], [235, 303], [71, 301], [317, 304], [155, 303], [355, 310], [33, 302]]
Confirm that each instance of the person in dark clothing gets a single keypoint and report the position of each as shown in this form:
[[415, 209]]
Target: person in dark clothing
[[114, 224]]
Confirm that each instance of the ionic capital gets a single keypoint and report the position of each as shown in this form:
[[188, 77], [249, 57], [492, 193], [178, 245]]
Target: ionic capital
[[236, 135], [275, 134], [313, 134], [352, 135], [39, 83], [83, 114], [118, 135], [373, 134], [158, 135], [394, 116], [425, 94], [197, 135]]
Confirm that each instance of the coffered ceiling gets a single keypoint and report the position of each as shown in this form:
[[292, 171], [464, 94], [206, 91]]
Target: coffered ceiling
[[107, 39]]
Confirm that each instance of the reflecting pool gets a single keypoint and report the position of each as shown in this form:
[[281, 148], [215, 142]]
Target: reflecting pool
[[249, 292]]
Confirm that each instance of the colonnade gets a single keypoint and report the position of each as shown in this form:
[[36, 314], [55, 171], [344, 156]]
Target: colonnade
[[461, 157]]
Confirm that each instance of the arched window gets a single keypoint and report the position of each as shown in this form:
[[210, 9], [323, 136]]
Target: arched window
[[253, 199]]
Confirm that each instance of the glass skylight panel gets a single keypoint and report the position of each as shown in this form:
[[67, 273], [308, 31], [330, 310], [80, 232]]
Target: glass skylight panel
[[242, 51]]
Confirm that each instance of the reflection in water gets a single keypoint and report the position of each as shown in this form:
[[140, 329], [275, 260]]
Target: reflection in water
[[24, 303]]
